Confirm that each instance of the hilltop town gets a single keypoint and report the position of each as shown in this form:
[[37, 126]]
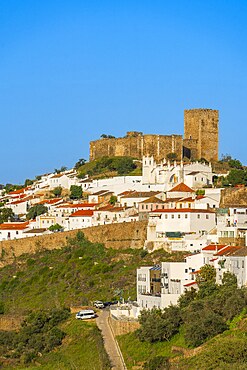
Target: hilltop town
[[188, 201]]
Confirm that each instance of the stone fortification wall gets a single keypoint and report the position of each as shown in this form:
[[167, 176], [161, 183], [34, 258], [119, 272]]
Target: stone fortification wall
[[201, 133], [137, 145], [233, 197], [200, 140], [121, 327], [117, 236]]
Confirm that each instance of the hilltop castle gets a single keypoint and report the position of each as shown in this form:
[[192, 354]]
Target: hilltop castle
[[200, 140]]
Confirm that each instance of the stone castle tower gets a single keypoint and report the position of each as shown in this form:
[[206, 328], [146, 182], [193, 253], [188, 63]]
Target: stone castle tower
[[200, 140], [201, 134]]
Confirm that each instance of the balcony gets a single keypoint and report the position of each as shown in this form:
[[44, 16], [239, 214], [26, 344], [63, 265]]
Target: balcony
[[155, 280]]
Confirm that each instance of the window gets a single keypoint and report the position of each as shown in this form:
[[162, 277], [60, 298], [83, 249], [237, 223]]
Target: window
[[242, 263], [166, 216], [198, 216], [186, 270], [172, 216], [185, 216], [143, 206], [207, 217], [179, 216]]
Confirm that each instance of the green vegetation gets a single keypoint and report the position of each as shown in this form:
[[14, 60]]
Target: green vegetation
[[79, 163], [82, 348], [107, 165], [198, 318], [37, 210], [75, 192], [77, 274], [6, 214], [55, 228], [57, 191], [39, 334]]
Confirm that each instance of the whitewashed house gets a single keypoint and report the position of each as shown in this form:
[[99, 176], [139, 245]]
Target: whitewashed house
[[13, 230]]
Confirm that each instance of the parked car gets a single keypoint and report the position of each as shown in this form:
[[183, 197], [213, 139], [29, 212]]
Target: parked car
[[85, 314], [98, 304]]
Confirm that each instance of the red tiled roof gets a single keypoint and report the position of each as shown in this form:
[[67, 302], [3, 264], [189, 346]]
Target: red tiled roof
[[14, 226], [190, 284], [214, 247], [183, 188], [228, 250], [83, 213]]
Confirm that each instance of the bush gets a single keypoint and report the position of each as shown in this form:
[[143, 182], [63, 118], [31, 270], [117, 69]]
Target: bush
[[157, 363]]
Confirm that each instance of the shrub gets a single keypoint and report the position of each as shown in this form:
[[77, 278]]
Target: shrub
[[157, 363]]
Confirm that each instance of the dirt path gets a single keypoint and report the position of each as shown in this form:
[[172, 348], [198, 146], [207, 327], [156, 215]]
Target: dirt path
[[110, 343]]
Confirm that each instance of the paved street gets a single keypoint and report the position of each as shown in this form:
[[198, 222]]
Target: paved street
[[110, 344]]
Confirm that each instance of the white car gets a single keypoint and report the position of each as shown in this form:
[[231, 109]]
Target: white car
[[85, 314], [98, 304]]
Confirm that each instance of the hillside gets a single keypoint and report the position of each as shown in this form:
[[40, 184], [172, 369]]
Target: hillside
[[110, 166], [76, 274]]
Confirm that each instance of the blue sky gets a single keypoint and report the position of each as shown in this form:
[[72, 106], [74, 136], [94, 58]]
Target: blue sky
[[72, 70]]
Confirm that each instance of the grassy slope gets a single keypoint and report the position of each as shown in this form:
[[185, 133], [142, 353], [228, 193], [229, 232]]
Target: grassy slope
[[82, 349], [227, 351], [75, 275], [136, 352]]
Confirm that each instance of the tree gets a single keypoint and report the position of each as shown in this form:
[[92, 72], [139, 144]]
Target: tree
[[235, 163], [186, 298], [203, 325], [59, 170], [80, 163], [6, 214], [28, 182], [75, 192], [57, 191], [237, 177], [207, 274], [55, 228], [113, 200], [36, 210], [158, 325]]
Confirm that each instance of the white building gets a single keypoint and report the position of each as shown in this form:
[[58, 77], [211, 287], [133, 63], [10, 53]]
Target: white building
[[13, 230], [169, 174], [163, 222]]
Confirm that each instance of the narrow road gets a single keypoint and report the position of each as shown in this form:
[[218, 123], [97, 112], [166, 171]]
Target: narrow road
[[110, 343]]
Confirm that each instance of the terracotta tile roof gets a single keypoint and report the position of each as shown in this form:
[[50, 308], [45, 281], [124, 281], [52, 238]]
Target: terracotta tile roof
[[101, 192], [20, 191], [152, 199], [14, 225], [181, 210], [240, 252], [182, 188], [36, 231], [214, 247], [83, 213], [228, 250], [127, 192], [190, 284], [57, 175]]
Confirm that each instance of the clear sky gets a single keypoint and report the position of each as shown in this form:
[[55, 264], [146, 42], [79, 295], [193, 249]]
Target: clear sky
[[72, 70]]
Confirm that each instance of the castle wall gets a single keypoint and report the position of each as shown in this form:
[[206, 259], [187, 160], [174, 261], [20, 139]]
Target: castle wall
[[157, 146], [200, 140]]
